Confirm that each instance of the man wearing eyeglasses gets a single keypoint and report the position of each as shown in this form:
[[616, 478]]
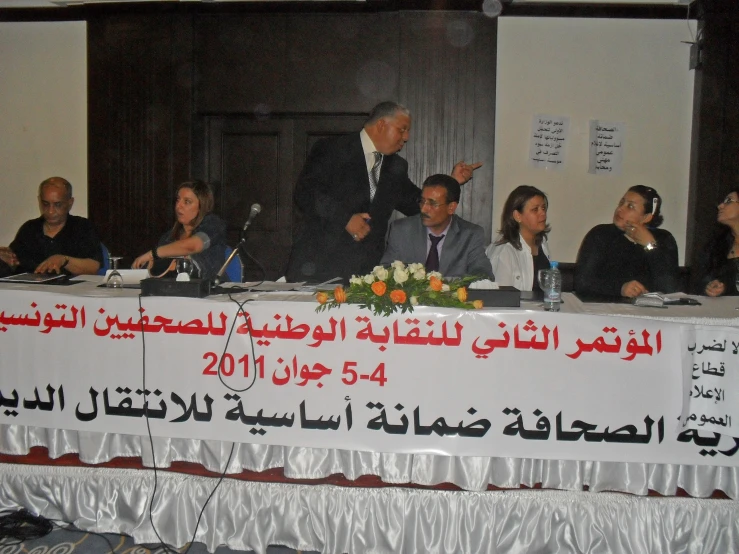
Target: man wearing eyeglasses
[[346, 193], [56, 242], [438, 238]]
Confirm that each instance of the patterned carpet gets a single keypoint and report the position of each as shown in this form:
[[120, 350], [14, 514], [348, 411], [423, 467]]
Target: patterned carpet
[[67, 540]]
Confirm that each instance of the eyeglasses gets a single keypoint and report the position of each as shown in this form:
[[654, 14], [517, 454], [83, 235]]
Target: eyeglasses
[[728, 200], [432, 203]]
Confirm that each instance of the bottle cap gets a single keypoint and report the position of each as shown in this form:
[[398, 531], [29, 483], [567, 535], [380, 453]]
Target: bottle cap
[[553, 264]]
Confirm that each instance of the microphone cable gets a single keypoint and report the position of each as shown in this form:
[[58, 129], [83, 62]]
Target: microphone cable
[[21, 525], [239, 312], [165, 546]]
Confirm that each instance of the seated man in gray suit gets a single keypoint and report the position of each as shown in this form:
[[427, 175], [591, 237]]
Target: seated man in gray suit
[[444, 242]]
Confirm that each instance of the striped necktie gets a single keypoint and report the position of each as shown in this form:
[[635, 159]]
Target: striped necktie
[[374, 176]]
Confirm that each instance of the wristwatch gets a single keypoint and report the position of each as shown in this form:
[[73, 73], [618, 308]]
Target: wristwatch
[[650, 245]]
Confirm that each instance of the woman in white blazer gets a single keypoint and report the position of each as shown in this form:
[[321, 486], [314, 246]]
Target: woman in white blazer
[[521, 249]]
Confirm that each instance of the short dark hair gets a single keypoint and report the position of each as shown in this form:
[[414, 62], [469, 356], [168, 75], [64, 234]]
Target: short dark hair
[[652, 203], [448, 183], [516, 201], [386, 109], [56, 181]]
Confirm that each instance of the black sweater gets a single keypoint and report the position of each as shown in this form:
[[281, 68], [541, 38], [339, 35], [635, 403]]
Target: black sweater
[[607, 260]]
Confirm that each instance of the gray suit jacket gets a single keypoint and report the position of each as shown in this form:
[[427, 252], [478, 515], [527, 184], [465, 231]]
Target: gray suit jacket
[[463, 252]]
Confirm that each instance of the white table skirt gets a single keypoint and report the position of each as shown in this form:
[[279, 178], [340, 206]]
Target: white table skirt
[[469, 473], [330, 519]]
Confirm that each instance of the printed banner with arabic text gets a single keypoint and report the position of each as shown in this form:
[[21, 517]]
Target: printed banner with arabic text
[[509, 383]]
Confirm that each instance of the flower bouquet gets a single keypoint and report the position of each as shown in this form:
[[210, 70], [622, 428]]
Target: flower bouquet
[[400, 288]]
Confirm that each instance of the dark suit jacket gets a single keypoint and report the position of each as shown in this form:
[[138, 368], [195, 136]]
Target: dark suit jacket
[[463, 252], [333, 186]]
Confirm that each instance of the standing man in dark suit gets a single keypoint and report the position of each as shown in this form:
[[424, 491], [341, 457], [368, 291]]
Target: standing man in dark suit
[[437, 238], [347, 192]]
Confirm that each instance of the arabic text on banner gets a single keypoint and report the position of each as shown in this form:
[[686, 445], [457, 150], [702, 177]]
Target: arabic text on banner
[[471, 383]]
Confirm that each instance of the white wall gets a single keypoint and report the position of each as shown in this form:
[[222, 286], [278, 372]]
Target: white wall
[[631, 71], [43, 116]]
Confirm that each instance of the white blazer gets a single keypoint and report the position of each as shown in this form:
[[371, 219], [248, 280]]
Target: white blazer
[[514, 267]]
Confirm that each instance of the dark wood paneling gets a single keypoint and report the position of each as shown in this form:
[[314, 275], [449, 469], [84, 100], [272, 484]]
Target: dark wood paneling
[[309, 129], [150, 74], [248, 163], [138, 138], [448, 81], [252, 161], [240, 64], [714, 164], [441, 65], [342, 63]]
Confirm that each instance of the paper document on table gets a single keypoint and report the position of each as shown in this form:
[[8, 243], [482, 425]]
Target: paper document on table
[[650, 300], [326, 285], [484, 284], [33, 277], [659, 300]]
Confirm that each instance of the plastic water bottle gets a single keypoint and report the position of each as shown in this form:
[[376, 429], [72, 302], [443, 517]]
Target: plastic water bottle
[[553, 290]]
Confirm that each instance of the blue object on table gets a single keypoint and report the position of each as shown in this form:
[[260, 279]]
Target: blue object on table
[[105, 266], [234, 270]]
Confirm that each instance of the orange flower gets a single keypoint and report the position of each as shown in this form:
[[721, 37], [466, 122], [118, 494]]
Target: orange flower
[[435, 284], [379, 287], [477, 304], [462, 294], [322, 297], [340, 295], [398, 296]]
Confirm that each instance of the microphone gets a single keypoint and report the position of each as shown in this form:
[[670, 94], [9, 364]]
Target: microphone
[[255, 209]]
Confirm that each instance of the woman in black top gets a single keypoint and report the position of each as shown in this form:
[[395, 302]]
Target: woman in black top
[[717, 266], [197, 233], [631, 256]]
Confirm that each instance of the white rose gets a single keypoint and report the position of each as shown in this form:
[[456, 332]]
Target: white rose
[[414, 300], [381, 273], [369, 278], [414, 268], [444, 288], [355, 280], [433, 274], [397, 264], [419, 274], [400, 275]]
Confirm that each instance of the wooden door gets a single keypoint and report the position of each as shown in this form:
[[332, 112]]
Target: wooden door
[[250, 161]]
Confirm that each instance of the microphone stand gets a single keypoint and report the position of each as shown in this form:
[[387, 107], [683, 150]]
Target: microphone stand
[[219, 276]]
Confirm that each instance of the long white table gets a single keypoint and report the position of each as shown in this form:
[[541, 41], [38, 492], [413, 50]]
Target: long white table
[[334, 519]]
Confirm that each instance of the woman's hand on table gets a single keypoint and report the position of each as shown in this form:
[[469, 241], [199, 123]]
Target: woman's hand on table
[[143, 261], [715, 288], [632, 289]]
